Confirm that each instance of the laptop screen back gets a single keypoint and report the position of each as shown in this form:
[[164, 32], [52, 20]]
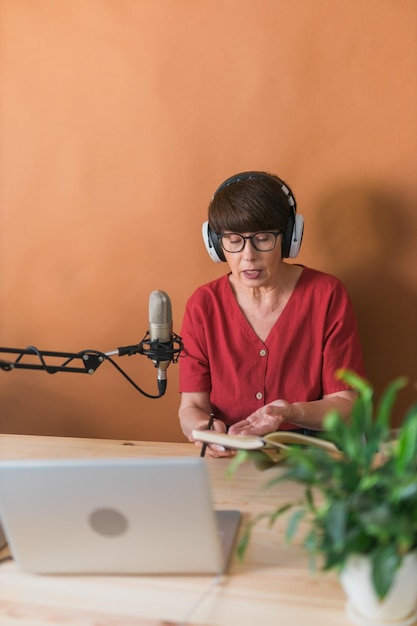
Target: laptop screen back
[[111, 516]]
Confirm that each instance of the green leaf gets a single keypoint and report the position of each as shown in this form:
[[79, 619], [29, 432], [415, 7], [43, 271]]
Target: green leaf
[[271, 516], [336, 428], [406, 490], [277, 513], [385, 563], [302, 468], [244, 542], [405, 452], [387, 401], [342, 434], [293, 524], [309, 498], [336, 524], [260, 459], [310, 544], [362, 413], [376, 521], [356, 382], [241, 457]]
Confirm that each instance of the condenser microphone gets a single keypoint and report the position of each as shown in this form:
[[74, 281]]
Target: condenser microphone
[[160, 331], [160, 343]]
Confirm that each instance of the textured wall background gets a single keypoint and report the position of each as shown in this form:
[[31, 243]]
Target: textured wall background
[[118, 121]]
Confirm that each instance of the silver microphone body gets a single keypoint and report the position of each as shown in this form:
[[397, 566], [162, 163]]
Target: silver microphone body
[[159, 343], [160, 326]]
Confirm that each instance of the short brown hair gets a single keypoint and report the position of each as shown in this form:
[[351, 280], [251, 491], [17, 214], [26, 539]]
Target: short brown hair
[[250, 202]]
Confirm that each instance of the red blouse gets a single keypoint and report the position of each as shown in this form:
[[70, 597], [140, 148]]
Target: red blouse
[[315, 335]]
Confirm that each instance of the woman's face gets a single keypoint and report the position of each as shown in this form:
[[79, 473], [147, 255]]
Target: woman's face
[[254, 268]]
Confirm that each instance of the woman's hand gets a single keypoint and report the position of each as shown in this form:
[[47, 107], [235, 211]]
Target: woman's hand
[[212, 449], [216, 451], [269, 418], [194, 413], [265, 420]]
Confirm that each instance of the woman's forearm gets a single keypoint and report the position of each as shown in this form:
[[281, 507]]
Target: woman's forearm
[[193, 418], [312, 414]]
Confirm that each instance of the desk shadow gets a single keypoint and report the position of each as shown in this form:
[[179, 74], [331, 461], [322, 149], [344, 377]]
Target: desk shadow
[[369, 241]]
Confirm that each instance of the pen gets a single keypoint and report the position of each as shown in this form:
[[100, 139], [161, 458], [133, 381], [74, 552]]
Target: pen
[[209, 425]]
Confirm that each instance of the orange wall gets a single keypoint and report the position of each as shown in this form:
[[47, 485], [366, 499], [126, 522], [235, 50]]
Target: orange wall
[[118, 121]]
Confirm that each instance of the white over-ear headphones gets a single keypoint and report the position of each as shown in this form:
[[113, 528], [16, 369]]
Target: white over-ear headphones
[[292, 238], [215, 253]]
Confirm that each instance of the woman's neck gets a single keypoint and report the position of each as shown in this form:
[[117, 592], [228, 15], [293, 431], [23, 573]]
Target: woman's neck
[[262, 306]]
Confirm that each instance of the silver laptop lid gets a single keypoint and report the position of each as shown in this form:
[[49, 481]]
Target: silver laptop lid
[[117, 516]]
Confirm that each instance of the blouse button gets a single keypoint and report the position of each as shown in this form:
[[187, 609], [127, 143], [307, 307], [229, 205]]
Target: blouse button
[[262, 352], [259, 396]]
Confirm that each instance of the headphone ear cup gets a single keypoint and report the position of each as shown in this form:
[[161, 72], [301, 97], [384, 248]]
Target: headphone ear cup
[[212, 243], [296, 237]]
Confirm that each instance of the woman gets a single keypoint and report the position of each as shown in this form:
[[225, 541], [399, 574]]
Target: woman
[[263, 343]]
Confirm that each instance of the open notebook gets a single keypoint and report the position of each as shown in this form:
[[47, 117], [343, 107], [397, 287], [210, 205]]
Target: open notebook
[[114, 516], [280, 439]]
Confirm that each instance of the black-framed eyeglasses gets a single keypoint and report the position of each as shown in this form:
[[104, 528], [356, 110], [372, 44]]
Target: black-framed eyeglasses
[[263, 241]]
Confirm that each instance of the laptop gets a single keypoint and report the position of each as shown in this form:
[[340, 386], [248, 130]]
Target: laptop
[[114, 516]]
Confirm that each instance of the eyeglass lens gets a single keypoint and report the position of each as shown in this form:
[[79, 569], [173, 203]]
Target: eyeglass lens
[[263, 242]]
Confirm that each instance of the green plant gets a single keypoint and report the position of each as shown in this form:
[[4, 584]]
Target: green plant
[[361, 501]]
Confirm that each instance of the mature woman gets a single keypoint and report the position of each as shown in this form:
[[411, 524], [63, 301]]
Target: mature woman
[[264, 341]]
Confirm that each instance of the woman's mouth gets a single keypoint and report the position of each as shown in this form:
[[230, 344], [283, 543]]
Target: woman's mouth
[[252, 274]]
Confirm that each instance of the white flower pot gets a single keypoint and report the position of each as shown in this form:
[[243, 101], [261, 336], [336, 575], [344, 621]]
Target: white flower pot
[[398, 608]]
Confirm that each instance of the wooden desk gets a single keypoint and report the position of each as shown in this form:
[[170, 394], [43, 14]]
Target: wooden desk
[[272, 586]]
